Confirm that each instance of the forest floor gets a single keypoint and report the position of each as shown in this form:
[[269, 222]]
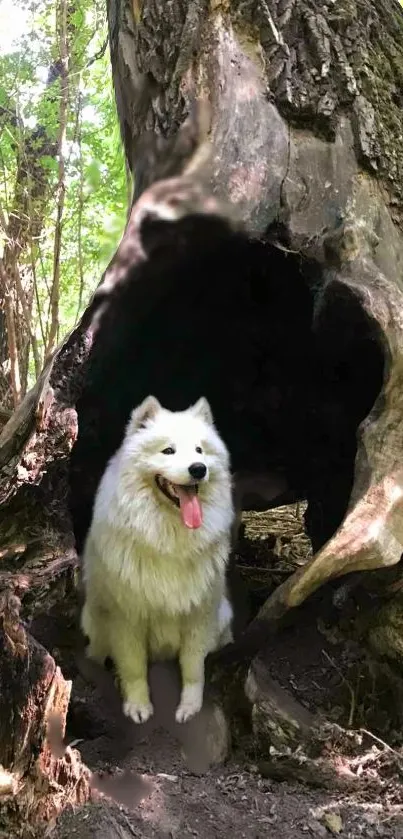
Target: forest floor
[[170, 801]]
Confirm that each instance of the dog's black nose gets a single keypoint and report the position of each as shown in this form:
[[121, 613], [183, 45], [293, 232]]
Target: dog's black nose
[[197, 471]]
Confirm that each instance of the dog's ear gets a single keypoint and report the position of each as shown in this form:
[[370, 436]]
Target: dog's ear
[[202, 409], [143, 413]]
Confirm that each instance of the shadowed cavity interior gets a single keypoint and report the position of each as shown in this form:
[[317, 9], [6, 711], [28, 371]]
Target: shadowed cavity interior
[[289, 364]]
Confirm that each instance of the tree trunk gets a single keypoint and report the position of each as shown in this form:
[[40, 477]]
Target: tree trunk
[[259, 266], [304, 126]]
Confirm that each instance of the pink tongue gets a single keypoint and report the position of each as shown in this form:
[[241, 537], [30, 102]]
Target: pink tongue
[[190, 507]]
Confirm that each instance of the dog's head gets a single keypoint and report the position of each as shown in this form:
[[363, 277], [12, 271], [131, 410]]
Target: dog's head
[[180, 454]]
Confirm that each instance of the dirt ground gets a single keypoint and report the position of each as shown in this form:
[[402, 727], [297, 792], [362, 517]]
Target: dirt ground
[[147, 789]]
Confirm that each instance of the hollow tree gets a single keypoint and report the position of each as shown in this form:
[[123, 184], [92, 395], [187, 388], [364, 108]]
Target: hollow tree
[[261, 266]]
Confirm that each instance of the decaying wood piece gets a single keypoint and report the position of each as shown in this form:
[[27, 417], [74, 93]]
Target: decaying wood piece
[[35, 784], [292, 740], [298, 745]]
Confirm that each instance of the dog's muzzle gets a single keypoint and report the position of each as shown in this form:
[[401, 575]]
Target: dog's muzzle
[[172, 491]]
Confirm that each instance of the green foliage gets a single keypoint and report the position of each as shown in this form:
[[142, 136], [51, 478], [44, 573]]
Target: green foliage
[[96, 190]]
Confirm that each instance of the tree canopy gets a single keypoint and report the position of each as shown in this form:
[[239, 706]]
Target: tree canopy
[[63, 190]]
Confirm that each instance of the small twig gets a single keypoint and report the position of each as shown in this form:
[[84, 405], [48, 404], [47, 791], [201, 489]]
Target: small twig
[[381, 743], [350, 689], [36, 292], [100, 54]]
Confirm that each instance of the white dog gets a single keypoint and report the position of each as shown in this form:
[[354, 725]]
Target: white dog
[[156, 553]]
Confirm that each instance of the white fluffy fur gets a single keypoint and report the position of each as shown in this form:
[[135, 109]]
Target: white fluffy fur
[[154, 588]]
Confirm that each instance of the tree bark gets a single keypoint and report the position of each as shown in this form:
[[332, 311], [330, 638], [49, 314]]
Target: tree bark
[[259, 265]]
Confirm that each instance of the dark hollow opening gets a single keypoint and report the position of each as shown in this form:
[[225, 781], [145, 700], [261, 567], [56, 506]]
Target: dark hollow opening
[[289, 360]]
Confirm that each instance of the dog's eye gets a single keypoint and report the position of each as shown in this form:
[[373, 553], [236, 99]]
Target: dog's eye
[[199, 450], [168, 450]]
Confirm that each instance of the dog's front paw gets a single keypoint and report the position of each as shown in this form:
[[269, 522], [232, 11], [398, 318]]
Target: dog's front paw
[[138, 711], [191, 702]]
